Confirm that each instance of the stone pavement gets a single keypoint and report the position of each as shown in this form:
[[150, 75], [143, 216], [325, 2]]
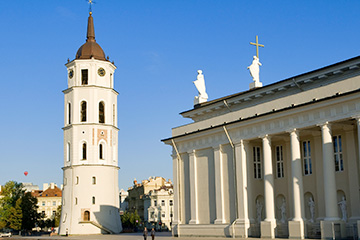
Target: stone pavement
[[123, 236]]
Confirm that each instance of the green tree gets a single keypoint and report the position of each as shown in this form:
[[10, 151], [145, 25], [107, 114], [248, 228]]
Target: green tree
[[29, 210], [10, 205], [57, 216]]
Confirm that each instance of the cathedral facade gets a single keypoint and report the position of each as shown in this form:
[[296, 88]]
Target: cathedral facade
[[90, 200], [280, 160]]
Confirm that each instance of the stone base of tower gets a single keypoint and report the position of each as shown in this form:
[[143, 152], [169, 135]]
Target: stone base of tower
[[90, 200]]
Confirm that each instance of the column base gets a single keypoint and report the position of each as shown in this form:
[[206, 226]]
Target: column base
[[241, 228], [192, 221], [296, 229], [219, 221], [332, 229], [267, 229]]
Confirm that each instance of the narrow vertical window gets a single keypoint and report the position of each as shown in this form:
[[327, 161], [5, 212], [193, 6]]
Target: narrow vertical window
[[257, 162], [338, 156], [83, 111], [101, 112], [114, 114], [94, 180], [77, 180], [101, 151], [68, 152], [93, 200], [69, 113], [307, 158], [84, 151], [87, 215], [279, 162], [76, 201], [84, 77]]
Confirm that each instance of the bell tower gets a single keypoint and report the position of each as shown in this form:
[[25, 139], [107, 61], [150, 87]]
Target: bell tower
[[90, 200]]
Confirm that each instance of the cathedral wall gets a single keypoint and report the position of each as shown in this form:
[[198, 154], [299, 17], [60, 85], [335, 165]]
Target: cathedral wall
[[229, 186]]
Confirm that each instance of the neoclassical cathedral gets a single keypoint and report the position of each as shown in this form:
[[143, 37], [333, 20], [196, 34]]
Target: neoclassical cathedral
[[280, 160], [90, 200]]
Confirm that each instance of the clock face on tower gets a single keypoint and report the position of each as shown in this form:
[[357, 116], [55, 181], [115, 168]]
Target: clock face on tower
[[101, 72], [71, 73]]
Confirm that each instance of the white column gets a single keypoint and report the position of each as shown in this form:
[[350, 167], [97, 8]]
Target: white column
[[296, 175], [193, 188], [177, 202], [219, 185], [296, 226], [269, 224], [242, 192], [331, 206], [268, 180]]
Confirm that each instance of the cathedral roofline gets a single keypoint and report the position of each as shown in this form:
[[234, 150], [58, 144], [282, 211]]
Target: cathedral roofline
[[273, 88], [315, 101]]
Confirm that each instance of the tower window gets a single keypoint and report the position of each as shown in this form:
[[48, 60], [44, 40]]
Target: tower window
[[84, 151], [101, 151], [68, 152], [77, 180], [76, 201], [101, 112], [69, 113], [84, 77], [93, 200], [83, 111], [93, 180]]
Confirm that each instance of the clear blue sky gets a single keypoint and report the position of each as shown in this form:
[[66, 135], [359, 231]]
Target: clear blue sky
[[157, 45]]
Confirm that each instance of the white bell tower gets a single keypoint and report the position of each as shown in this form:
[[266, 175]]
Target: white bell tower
[[90, 200]]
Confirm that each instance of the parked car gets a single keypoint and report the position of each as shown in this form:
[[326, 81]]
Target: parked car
[[5, 234]]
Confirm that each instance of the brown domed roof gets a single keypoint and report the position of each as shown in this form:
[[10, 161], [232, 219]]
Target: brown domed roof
[[90, 48]]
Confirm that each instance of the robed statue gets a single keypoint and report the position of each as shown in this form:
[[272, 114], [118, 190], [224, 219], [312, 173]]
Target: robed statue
[[200, 86], [255, 69]]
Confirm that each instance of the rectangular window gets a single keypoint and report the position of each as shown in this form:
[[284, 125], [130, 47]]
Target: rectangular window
[[155, 203], [171, 202], [257, 162], [338, 156], [43, 203], [84, 77], [53, 213], [279, 162], [307, 158], [162, 202], [54, 203], [163, 215]]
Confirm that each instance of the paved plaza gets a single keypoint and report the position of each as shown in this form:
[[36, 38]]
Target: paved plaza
[[124, 236]]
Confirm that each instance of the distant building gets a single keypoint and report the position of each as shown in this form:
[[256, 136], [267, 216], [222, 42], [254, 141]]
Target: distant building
[[49, 199], [159, 208], [138, 191], [29, 187], [123, 201]]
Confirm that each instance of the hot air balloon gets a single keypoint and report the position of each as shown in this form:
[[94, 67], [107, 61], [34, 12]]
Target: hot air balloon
[[26, 173]]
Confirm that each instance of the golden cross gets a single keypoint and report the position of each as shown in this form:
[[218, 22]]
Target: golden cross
[[91, 2], [257, 46]]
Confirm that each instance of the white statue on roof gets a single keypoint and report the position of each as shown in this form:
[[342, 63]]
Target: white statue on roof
[[200, 86], [254, 72]]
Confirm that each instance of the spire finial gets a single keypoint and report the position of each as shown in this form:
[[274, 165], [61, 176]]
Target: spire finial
[[90, 36], [91, 2]]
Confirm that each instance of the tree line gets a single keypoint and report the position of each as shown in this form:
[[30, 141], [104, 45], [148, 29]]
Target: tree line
[[19, 210]]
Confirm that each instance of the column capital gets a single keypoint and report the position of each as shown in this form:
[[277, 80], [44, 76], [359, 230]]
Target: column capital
[[266, 136], [324, 124], [217, 147], [191, 152], [241, 142], [293, 131]]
